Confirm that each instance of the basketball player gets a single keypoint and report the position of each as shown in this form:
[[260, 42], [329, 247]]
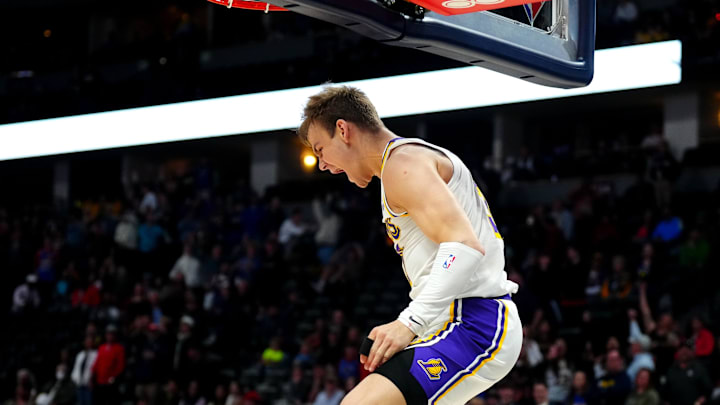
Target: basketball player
[[461, 332]]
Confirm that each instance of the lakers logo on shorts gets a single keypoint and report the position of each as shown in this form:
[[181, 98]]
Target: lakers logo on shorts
[[433, 368]]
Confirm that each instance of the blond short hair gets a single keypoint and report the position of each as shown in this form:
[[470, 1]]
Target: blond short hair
[[339, 102]]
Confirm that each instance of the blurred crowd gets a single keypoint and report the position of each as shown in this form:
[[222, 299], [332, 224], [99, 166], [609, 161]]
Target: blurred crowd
[[186, 291], [591, 154]]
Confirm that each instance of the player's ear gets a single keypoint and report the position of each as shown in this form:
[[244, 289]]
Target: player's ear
[[342, 127]]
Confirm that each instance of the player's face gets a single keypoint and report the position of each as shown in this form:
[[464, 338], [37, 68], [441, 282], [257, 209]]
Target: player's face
[[336, 155]]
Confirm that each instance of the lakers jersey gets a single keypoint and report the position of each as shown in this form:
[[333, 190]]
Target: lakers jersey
[[418, 251]]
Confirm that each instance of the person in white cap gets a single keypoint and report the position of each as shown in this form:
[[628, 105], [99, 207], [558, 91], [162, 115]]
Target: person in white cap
[[26, 295]]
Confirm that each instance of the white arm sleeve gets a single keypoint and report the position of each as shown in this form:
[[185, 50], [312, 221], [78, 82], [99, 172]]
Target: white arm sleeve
[[454, 266]]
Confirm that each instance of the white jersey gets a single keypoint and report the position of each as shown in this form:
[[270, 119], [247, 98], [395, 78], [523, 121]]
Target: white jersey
[[418, 251]]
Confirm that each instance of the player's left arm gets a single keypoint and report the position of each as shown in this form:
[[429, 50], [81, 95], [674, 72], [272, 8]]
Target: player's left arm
[[412, 182]]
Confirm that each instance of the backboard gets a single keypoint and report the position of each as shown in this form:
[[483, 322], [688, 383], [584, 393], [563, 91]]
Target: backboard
[[556, 50]]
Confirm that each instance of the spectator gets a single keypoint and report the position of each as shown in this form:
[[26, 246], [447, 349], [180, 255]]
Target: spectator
[[234, 393], [701, 340], [617, 286], [149, 203], [90, 297], [349, 366], [220, 395], [540, 394], [542, 279], [687, 380], [273, 355], [506, 395], [558, 375], [26, 379], [150, 235], [669, 228], [156, 312], [661, 170], [192, 395], [291, 228], [523, 166], [170, 394], [593, 287], [189, 266], [59, 391], [250, 398], [644, 230], [248, 265], [108, 366], [26, 296], [644, 393], [22, 397], [639, 346], [573, 273], [211, 265], [126, 232], [329, 223], [275, 215], [695, 251], [45, 262], [662, 333], [331, 395], [648, 266], [614, 386], [82, 371], [579, 391], [296, 390], [185, 341], [564, 219], [304, 358]]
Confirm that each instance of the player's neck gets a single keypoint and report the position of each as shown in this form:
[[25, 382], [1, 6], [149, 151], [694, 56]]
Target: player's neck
[[375, 148]]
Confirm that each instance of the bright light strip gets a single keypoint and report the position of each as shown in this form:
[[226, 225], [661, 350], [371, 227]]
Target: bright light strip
[[626, 68]]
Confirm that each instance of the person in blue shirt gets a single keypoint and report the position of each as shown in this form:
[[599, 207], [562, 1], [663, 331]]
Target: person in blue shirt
[[669, 229]]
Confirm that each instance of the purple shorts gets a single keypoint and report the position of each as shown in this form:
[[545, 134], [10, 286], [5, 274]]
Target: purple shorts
[[476, 346]]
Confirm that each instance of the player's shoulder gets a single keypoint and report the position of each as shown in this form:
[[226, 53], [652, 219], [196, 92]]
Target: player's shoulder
[[409, 168], [409, 156], [408, 160]]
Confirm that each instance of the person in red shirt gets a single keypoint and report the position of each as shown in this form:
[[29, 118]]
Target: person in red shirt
[[108, 366], [702, 339]]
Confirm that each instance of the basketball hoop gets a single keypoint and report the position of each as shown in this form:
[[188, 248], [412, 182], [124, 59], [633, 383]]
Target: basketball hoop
[[248, 5]]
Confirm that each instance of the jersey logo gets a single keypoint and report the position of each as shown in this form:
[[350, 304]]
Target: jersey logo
[[392, 230], [433, 368], [448, 262]]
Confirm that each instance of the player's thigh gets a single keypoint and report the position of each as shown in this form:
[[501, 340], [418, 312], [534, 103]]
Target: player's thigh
[[375, 389]]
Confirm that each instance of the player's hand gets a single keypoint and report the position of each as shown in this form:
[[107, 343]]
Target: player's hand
[[388, 340]]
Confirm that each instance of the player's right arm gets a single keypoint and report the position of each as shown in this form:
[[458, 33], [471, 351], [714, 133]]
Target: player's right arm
[[413, 183]]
